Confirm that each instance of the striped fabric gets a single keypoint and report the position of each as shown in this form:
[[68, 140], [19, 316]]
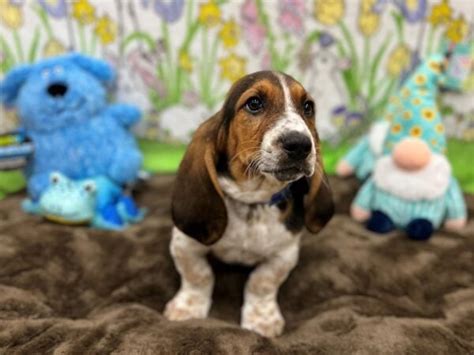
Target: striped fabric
[[402, 212], [16, 151]]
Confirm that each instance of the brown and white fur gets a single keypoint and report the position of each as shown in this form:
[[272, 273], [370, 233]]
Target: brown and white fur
[[236, 162]]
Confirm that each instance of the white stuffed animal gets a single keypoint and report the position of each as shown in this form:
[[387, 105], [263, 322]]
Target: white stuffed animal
[[326, 84], [178, 123]]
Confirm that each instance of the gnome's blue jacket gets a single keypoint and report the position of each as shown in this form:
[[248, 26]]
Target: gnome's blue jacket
[[401, 211], [62, 105]]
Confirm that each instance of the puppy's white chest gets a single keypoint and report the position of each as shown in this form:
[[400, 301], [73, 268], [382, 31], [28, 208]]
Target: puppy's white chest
[[253, 233]]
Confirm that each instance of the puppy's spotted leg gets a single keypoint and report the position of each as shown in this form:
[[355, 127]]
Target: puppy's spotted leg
[[193, 299], [260, 311]]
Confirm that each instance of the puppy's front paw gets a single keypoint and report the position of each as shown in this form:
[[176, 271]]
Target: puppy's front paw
[[186, 306], [263, 318]]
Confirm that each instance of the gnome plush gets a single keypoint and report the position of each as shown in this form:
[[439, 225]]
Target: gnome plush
[[411, 186]]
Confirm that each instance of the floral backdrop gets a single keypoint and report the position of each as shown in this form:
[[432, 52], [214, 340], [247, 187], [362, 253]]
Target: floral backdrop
[[177, 58]]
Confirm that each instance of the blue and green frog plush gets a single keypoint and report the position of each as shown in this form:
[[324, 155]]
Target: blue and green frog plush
[[63, 109], [75, 202]]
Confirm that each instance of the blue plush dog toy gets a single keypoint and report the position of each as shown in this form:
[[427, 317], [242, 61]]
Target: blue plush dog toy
[[63, 108]]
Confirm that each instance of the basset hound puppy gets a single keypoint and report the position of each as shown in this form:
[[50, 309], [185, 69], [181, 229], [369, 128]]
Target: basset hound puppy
[[251, 180]]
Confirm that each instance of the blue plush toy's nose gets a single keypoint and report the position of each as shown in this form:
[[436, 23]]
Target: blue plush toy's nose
[[57, 89]]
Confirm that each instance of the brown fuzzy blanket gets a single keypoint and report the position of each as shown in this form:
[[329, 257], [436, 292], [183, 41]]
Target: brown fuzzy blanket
[[72, 290]]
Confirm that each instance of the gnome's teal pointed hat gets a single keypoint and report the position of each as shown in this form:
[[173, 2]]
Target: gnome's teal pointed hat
[[413, 112]]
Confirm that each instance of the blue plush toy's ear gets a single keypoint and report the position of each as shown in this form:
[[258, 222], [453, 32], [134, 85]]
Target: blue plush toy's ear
[[99, 68], [12, 83]]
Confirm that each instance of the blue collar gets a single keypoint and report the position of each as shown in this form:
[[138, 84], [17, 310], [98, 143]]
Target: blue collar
[[280, 196]]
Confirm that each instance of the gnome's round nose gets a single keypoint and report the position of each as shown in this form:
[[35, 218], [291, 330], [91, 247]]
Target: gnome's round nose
[[411, 154]]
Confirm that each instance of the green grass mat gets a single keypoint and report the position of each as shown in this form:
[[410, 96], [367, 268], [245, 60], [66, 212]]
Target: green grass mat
[[161, 157], [165, 158], [461, 156]]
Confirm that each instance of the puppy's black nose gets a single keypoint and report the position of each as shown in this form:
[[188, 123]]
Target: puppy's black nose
[[57, 89], [296, 145]]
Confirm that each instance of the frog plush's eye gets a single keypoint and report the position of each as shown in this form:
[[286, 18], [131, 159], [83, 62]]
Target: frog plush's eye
[[89, 187], [55, 179]]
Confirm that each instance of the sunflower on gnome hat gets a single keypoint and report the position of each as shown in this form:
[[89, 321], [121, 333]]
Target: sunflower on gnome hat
[[411, 186]]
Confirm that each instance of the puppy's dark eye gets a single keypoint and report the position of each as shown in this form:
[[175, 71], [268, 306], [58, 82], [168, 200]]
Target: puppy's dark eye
[[254, 105], [308, 108]]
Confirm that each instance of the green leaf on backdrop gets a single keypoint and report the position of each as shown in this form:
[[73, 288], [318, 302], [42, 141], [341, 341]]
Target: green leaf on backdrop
[[33, 52]]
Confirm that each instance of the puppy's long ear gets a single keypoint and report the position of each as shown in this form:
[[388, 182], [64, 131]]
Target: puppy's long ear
[[198, 207], [318, 202]]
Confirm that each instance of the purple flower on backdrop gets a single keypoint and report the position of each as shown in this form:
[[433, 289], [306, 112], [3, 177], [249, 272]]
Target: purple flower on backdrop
[[170, 11], [255, 36], [57, 8], [354, 118], [339, 110], [379, 6], [291, 15], [17, 2], [249, 11], [254, 32], [325, 39], [346, 117], [413, 11]]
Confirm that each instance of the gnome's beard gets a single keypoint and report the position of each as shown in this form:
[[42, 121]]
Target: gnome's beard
[[428, 183]]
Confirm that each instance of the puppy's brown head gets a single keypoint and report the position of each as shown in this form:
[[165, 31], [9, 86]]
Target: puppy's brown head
[[265, 131], [269, 120]]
